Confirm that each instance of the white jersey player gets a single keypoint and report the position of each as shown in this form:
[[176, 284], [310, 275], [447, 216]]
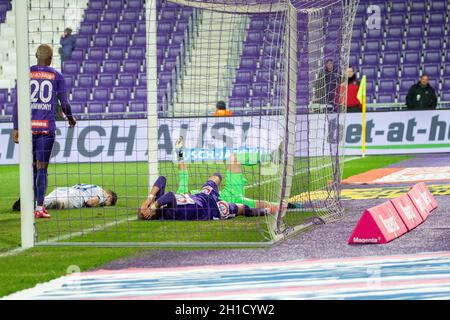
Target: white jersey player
[[79, 196]]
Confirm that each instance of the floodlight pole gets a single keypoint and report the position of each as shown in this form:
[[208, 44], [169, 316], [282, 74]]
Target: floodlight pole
[[152, 92], [24, 121]]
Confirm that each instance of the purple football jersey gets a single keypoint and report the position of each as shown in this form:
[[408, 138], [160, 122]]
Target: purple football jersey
[[47, 88]]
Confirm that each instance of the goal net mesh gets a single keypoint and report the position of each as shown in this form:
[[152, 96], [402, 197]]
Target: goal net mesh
[[149, 91]]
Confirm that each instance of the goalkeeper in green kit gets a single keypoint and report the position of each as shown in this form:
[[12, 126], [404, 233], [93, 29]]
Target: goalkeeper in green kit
[[234, 189]]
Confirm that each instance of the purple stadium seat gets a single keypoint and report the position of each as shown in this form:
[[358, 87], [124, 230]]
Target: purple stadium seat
[[141, 27], [127, 80], [165, 27], [418, 6], [353, 60], [406, 84], [416, 19], [388, 72], [93, 17], [375, 34], [241, 90], [82, 41], [174, 50], [357, 33], [131, 66], [181, 26], [97, 4], [439, 5], [433, 57], [115, 4], [237, 103], [413, 44], [162, 40], [111, 16], [96, 54], [394, 32], [393, 45], [268, 63], [106, 80], [70, 67], [411, 57], [437, 18], [140, 94], [435, 31], [261, 89], [432, 70], [100, 94], [258, 23], [369, 72], [80, 95], [105, 28], [445, 96], [170, 64], [91, 67], [141, 41], [370, 59], [70, 81], [251, 49], [396, 20], [117, 107], [111, 67], [101, 40], [372, 46], [9, 108], [120, 40], [96, 107], [136, 53], [3, 96], [77, 55], [355, 46], [244, 76], [130, 16], [370, 87], [434, 44], [126, 28], [135, 4], [178, 37], [446, 71], [86, 28], [258, 102], [414, 31], [264, 75], [387, 86], [410, 71], [86, 81], [254, 37], [398, 7], [164, 77], [385, 98], [169, 14], [77, 107], [116, 54], [446, 84], [391, 59], [136, 106]]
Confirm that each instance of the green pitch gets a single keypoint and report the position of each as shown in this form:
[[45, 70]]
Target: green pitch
[[40, 264]]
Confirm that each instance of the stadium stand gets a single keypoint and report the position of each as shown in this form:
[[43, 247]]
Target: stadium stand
[[108, 64]]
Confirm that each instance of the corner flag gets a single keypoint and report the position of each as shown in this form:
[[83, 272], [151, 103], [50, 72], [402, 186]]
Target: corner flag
[[362, 98]]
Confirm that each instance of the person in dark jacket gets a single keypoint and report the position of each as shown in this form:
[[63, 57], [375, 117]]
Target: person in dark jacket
[[326, 84], [421, 96], [67, 42]]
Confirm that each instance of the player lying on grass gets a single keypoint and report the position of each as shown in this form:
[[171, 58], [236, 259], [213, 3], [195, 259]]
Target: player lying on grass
[[204, 205], [47, 87], [234, 188], [77, 196]]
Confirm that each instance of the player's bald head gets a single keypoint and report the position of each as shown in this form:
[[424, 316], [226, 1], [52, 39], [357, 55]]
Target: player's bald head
[[44, 54]]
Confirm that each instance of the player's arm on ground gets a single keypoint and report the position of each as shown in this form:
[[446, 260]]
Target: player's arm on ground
[[64, 102]]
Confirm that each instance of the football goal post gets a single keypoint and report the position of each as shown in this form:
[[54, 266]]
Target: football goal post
[[252, 91]]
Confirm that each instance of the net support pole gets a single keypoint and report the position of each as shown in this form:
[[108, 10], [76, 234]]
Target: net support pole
[[290, 96], [24, 121], [152, 92]]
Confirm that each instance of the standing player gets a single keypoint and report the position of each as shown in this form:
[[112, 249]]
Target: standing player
[[47, 87]]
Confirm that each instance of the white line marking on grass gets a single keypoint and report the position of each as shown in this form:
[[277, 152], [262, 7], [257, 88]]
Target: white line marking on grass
[[298, 173]]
